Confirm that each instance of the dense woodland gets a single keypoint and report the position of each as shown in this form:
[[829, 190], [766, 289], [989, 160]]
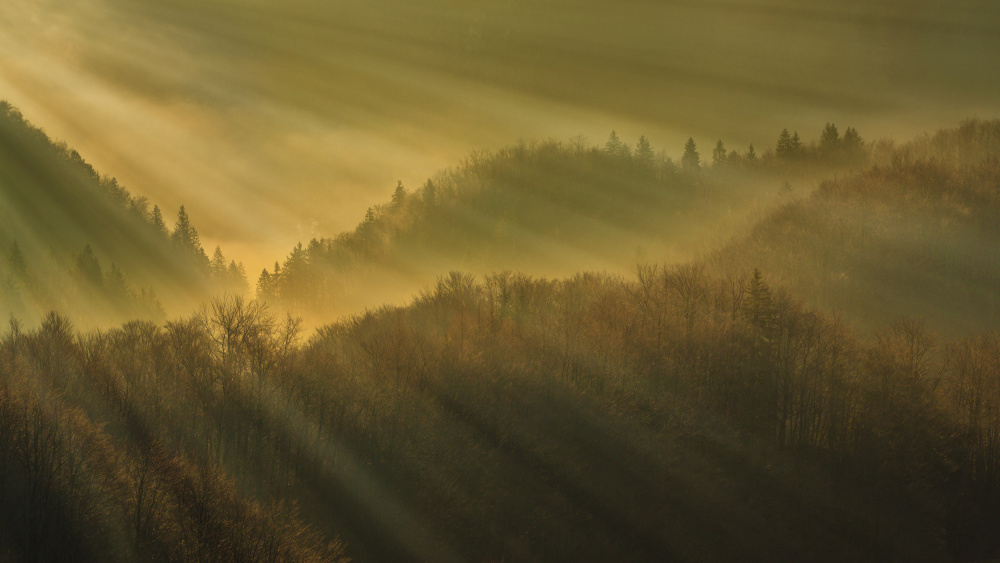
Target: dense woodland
[[549, 207], [75, 241], [824, 386], [915, 234], [669, 415]]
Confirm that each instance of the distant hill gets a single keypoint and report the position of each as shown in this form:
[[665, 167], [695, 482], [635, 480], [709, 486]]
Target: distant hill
[[75, 241], [915, 235], [548, 208]]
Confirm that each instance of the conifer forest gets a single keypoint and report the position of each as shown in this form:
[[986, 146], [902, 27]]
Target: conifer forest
[[499, 281]]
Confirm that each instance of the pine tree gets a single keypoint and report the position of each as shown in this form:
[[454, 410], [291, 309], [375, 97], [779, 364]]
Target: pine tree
[[185, 235], [116, 284], [185, 238], [852, 144], [236, 278], [430, 194], [829, 141], [796, 143], [218, 266], [89, 268], [783, 149], [691, 160], [719, 154], [614, 145], [293, 285], [158, 223], [265, 289], [751, 154], [399, 195], [644, 153]]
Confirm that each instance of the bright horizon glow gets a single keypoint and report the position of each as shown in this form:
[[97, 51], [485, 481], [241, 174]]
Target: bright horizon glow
[[275, 124]]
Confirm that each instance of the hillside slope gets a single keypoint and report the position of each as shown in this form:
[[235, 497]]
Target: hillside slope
[[547, 208], [917, 235], [671, 416], [74, 241]]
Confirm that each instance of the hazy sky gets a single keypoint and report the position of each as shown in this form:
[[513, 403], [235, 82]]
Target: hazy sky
[[279, 120]]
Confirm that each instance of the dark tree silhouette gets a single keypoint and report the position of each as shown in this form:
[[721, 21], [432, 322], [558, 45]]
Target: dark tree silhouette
[[399, 194], [89, 268], [644, 152], [690, 162], [158, 223], [719, 156], [784, 148], [185, 238], [829, 140]]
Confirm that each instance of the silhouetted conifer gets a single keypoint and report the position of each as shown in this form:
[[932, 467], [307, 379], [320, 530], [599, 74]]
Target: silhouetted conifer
[[88, 268], [829, 140], [719, 154], [158, 223], [783, 149], [644, 153], [185, 238], [399, 195], [691, 161]]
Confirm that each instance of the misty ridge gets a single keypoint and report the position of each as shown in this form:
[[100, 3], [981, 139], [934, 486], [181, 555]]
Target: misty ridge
[[550, 351], [80, 243]]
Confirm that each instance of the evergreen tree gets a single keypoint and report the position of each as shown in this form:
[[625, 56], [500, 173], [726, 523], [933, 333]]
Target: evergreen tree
[[236, 278], [719, 154], [796, 143], [265, 289], [614, 145], [293, 285], [89, 269], [691, 160], [430, 194], [218, 266], [751, 154], [399, 195], [644, 153], [784, 147], [185, 238], [829, 140], [116, 284], [158, 223], [185, 235], [759, 306], [852, 144]]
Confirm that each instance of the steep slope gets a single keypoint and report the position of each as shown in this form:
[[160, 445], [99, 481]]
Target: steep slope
[[77, 242], [915, 236]]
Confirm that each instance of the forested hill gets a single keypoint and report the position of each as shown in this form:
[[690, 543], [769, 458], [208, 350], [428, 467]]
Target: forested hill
[[550, 208], [668, 416], [80, 243], [916, 235]]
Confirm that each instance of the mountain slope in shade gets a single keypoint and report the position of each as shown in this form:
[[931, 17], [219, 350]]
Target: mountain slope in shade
[[915, 236], [78, 242]]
